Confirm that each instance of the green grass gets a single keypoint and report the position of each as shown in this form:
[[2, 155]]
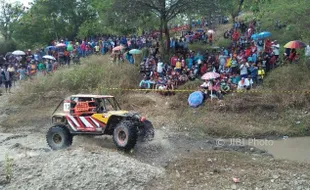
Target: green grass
[[291, 13]]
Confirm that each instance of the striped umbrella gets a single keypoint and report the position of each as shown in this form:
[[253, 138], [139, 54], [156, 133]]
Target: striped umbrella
[[295, 44]]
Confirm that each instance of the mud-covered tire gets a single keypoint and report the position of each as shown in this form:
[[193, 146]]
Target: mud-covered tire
[[59, 137], [125, 135], [146, 132]]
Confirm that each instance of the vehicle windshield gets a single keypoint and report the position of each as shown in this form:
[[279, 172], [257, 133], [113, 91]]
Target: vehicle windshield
[[107, 104]]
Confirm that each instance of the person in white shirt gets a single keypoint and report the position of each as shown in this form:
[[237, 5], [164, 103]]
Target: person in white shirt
[[244, 69], [205, 85], [249, 82], [276, 49], [307, 51], [160, 68], [245, 83]]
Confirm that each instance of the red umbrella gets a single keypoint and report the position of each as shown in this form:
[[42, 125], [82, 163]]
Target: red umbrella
[[295, 44]]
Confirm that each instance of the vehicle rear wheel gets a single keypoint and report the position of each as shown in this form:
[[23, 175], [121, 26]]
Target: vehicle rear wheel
[[125, 135], [58, 137]]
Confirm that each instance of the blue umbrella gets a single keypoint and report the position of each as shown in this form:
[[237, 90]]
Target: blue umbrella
[[195, 99], [50, 47], [254, 37], [264, 35]]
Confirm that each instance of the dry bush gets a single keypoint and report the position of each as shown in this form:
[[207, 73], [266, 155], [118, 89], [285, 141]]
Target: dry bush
[[94, 76]]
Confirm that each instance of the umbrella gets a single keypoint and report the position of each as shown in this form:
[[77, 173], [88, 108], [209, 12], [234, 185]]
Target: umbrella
[[135, 51], [295, 44], [264, 35], [18, 52], [49, 57], [254, 37], [210, 75], [50, 47], [211, 31], [118, 48], [61, 45], [195, 99]]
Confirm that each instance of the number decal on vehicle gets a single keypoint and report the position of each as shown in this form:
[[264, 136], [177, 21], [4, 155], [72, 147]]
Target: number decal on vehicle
[[66, 107]]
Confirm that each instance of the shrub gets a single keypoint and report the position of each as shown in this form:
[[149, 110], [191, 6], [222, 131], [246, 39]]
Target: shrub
[[94, 76]]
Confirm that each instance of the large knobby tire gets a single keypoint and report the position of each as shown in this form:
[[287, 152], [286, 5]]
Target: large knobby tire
[[59, 137], [147, 132], [125, 135]]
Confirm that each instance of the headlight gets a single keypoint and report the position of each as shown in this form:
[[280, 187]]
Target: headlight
[[142, 119]]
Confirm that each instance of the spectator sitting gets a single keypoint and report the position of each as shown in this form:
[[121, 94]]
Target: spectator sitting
[[244, 84], [145, 83], [249, 82]]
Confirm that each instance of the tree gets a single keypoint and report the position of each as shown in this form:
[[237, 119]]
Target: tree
[[164, 10], [49, 20], [9, 16], [232, 7]]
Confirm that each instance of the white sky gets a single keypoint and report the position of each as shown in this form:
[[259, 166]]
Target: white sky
[[25, 2]]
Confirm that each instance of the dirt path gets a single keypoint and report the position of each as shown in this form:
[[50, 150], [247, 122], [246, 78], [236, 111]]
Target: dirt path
[[173, 160]]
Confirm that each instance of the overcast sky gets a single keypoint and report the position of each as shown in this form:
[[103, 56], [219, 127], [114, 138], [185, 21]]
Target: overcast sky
[[25, 2]]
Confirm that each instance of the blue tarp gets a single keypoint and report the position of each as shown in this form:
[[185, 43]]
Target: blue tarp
[[195, 99]]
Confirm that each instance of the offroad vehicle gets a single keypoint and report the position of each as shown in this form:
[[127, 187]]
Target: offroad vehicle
[[97, 115]]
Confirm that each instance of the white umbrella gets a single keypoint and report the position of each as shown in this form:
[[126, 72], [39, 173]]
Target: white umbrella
[[49, 57], [18, 52], [211, 31], [61, 45]]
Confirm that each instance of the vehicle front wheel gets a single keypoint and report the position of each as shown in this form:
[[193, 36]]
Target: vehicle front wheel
[[125, 135], [58, 137]]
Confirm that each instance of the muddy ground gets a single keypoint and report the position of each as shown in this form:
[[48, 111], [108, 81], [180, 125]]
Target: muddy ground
[[173, 160]]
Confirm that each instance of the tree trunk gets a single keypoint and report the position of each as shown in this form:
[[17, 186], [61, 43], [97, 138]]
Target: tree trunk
[[161, 38], [167, 36]]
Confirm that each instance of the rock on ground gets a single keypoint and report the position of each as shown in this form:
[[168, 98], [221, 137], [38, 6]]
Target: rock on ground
[[79, 169]]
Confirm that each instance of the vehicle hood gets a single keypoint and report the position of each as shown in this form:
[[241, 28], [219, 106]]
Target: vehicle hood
[[121, 112]]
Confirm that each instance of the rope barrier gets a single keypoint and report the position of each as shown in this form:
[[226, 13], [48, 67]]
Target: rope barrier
[[186, 91]]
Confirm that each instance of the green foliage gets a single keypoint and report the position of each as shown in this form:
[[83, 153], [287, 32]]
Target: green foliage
[[9, 15], [48, 20], [198, 47], [287, 20], [7, 46]]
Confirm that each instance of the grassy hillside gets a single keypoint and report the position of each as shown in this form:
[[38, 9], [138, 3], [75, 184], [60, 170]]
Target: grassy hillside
[[239, 115], [292, 15]]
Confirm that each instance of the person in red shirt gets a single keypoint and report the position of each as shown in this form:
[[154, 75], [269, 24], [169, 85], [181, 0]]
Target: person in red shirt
[[235, 36], [268, 46], [211, 39], [272, 62], [248, 52], [173, 60], [203, 69]]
